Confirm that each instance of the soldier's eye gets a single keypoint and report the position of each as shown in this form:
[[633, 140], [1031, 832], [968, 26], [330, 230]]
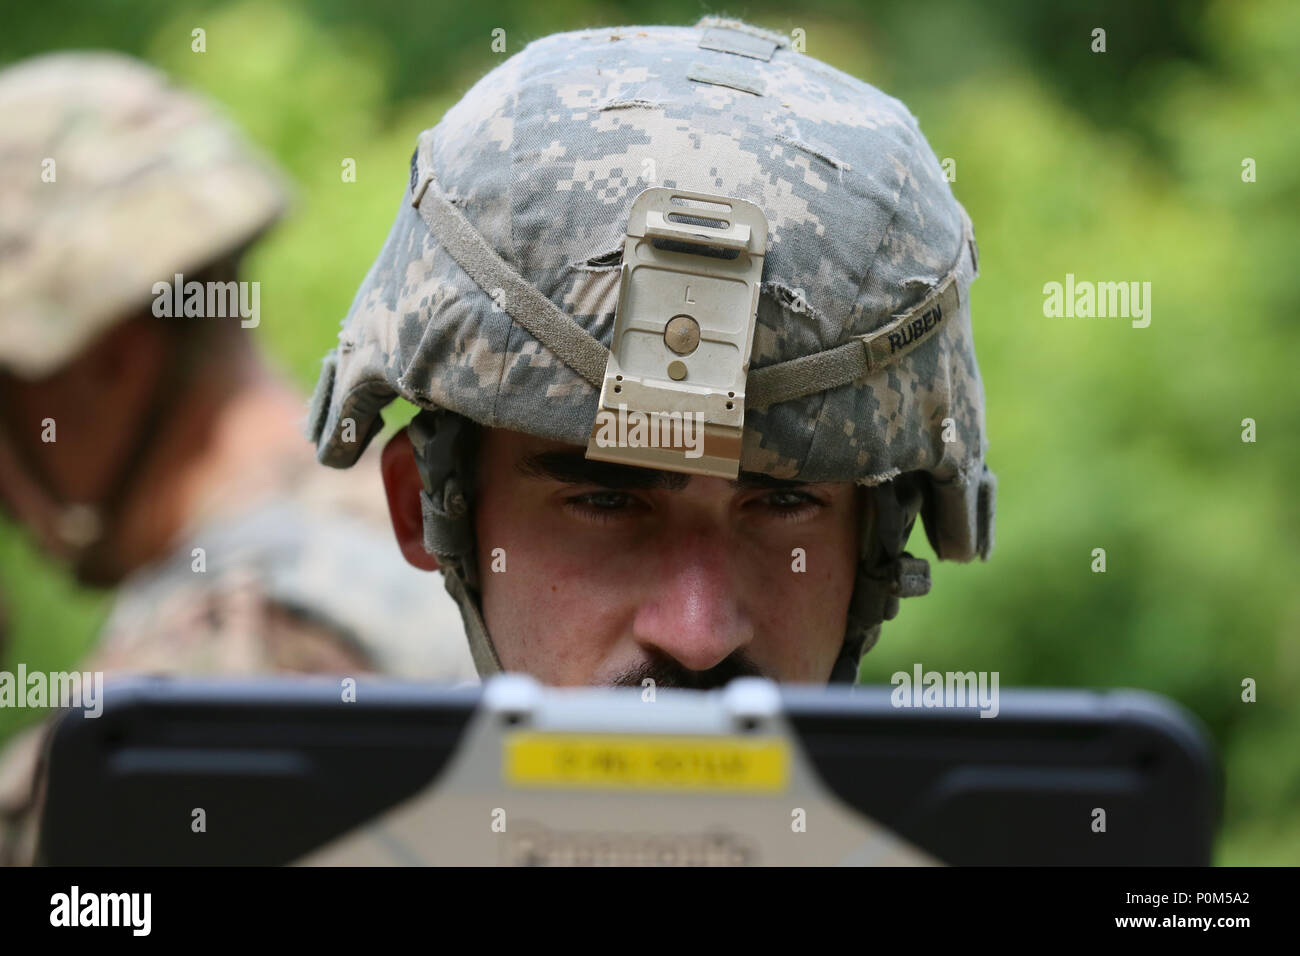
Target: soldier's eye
[[791, 504], [604, 505]]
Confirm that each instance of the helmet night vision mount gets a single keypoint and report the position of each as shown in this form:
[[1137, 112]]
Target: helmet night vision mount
[[673, 395]]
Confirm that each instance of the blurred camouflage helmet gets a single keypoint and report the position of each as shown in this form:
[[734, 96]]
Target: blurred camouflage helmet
[[493, 300], [111, 180]]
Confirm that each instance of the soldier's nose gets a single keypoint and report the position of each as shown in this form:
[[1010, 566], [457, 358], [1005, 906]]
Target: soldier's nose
[[693, 612]]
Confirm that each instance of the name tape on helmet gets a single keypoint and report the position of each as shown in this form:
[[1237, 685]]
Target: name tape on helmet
[[673, 393]]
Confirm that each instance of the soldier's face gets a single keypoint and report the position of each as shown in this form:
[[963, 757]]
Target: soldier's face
[[595, 573]]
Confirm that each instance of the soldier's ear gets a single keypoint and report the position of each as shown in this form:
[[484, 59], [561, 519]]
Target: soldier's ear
[[402, 486]]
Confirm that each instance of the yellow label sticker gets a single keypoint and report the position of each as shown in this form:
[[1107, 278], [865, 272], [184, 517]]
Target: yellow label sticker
[[652, 763]]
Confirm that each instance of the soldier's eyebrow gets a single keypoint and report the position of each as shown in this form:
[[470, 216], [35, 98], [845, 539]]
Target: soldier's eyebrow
[[574, 468]]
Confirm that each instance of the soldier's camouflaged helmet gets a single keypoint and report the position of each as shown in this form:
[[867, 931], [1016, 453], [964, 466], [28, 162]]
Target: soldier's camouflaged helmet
[[111, 179], [863, 363]]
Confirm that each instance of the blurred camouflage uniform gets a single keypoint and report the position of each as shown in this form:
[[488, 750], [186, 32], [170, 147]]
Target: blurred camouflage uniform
[[493, 300], [286, 568]]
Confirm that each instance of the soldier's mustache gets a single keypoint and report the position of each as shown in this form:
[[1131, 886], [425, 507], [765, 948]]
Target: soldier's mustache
[[667, 672]]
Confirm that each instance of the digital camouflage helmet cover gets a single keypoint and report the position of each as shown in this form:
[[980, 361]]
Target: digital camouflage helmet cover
[[494, 298], [111, 178]]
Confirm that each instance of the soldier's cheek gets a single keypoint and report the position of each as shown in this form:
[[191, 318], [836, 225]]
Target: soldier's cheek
[[799, 598], [563, 612]]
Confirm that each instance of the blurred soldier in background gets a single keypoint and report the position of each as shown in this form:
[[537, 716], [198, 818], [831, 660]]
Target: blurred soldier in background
[[161, 454]]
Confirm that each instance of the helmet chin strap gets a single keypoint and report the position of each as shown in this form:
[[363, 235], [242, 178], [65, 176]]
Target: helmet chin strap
[[83, 534], [444, 455], [62, 529], [885, 571]]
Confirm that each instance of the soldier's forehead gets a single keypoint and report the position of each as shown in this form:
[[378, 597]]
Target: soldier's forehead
[[547, 460]]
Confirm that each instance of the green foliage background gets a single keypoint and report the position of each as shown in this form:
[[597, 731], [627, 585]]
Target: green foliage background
[[1123, 165]]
